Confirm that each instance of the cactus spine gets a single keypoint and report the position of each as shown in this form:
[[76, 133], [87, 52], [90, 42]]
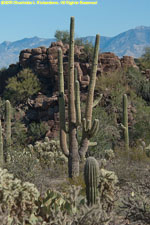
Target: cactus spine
[[76, 151], [125, 122], [91, 172], [1, 147], [8, 129]]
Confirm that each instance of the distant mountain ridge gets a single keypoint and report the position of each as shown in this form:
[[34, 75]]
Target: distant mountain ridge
[[131, 43]]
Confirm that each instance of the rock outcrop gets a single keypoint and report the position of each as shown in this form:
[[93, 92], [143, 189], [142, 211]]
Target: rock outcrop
[[43, 61]]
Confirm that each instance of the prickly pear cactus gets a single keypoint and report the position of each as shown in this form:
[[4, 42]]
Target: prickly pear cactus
[[91, 174]]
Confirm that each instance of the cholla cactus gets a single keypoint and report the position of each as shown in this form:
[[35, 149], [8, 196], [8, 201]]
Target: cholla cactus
[[48, 152], [17, 198], [107, 189], [91, 173], [76, 150], [109, 154]]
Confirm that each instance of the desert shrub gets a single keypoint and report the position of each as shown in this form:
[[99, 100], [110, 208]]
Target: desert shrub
[[136, 205], [145, 90], [134, 79], [18, 134], [145, 59], [88, 50], [37, 131], [141, 126], [139, 83], [62, 35], [108, 134], [24, 164], [22, 86]]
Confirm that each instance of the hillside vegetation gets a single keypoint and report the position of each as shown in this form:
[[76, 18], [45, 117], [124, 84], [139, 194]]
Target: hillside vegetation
[[112, 185]]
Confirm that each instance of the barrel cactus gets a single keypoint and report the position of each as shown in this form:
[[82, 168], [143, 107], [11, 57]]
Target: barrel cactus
[[91, 174]]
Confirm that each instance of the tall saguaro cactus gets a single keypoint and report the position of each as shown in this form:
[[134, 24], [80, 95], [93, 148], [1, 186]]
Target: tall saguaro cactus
[[91, 173], [7, 129], [1, 147], [76, 150], [125, 121]]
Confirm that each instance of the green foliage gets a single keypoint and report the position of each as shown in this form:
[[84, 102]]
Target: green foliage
[[88, 50], [145, 59], [37, 131], [19, 134], [108, 134], [24, 164], [134, 79], [22, 86], [62, 35], [139, 83], [141, 126]]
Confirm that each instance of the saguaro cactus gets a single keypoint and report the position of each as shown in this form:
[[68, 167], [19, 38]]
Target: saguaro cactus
[[7, 129], [125, 122], [1, 147], [91, 173], [76, 151]]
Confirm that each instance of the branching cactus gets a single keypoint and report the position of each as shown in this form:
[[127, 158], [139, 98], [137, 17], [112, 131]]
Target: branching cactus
[[7, 129], [1, 147], [76, 151], [125, 122], [91, 173]]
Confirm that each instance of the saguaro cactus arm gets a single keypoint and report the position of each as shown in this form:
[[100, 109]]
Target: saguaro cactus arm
[[77, 99], [96, 101], [63, 139], [87, 122], [89, 103]]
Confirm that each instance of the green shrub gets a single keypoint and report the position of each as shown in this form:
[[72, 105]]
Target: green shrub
[[24, 164], [37, 131], [145, 59], [22, 86], [108, 134], [62, 35]]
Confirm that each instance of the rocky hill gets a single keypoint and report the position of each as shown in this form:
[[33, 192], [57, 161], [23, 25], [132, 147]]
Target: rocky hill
[[131, 43], [43, 61]]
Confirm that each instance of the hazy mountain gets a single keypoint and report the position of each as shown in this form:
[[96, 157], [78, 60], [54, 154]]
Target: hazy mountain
[[9, 51], [131, 42]]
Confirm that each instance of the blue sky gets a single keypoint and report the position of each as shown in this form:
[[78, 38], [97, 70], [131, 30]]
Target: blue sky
[[108, 17]]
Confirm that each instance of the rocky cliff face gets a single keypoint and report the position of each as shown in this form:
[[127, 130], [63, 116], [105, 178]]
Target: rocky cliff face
[[43, 61]]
